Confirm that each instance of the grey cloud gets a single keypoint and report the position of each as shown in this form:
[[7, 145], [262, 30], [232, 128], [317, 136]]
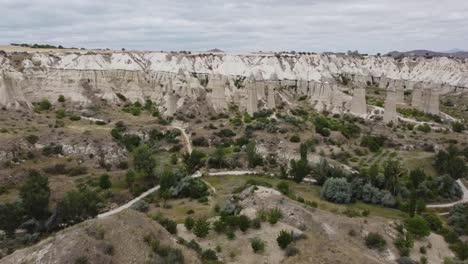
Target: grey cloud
[[309, 25]]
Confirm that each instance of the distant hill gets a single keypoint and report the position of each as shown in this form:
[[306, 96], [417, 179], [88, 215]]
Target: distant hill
[[456, 53], [215, 50]]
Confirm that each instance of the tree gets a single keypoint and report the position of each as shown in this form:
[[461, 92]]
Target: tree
[[461, 250], [336, 190], [416, 178], [284, 238], [299, 169], [167, 180], [11, 214], [392, 173], [418, 226], [104, 181], [450, 163], [78, 206], [303, 149], [217, 159], [35, 195], [201, 228], [143, 160], [193, 161], [252, 157]]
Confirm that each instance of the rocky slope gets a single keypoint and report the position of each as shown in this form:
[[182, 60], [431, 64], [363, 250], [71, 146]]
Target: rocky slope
[[174, 79], [116, 239]]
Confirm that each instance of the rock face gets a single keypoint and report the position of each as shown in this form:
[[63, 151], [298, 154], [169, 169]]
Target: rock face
[[358, 103], [426, 99], [251, 100], [390, 114], [88, 77]]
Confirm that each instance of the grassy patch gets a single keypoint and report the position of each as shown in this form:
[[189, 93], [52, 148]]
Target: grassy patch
[[225, 184]]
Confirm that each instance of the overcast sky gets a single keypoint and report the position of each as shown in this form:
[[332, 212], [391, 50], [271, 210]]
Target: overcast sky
[[239, 25]]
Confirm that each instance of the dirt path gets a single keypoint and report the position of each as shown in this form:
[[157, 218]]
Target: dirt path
[[464, 199], [129, 204]]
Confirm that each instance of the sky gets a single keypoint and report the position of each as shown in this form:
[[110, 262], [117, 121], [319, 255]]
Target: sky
[[369, 26]]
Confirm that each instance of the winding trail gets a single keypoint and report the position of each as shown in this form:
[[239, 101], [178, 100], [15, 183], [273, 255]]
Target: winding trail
[[464, 199]]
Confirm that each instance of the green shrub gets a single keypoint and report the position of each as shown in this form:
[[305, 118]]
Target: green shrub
[[274, 215], [336, 190], [104, 181], [458, 127], [44, 105], [201, 228], [61, 98], [189, 223], [375, 241], [295, 139], [284, 239], [404, 244], [168, 224], [244, 223], [257, 245], [32, 139], [424, 128], [75, 118], [283, 187]]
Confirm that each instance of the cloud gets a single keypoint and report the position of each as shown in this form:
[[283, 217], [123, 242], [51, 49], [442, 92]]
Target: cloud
[[306, 25]]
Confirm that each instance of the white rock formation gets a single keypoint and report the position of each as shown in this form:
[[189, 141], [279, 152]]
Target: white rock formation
[[218, 84], [85, 78], [358, 103], [390, 114], [251, 100]]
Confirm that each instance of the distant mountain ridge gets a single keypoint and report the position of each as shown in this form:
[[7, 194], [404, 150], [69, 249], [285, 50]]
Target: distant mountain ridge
[[455, 53]]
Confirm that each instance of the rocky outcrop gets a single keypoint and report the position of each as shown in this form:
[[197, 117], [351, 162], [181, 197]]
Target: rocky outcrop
[[251, 101], [390, 114], [87, 77], [358, 103]]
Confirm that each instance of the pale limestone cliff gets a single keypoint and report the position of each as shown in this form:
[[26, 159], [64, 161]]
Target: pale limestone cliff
[[85, 78]]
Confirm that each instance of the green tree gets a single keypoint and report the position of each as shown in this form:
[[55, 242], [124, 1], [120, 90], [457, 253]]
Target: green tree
[[78, 206], [104, 181], [194, 160], [217, 159], [418, 226], [416, 177], [252, 157], [375, 240], [299, 169], [167, 180], [35, 195], [11, 214], [284, 238], [392, 173], [144, 161], [201, 228]]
